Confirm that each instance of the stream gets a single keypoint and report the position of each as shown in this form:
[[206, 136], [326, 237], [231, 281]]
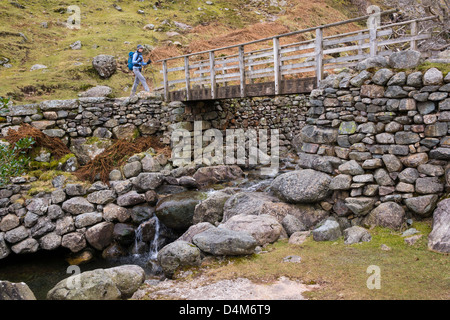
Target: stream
[[41, 271]]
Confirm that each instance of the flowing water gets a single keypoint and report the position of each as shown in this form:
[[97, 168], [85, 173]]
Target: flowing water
[[43, 270]]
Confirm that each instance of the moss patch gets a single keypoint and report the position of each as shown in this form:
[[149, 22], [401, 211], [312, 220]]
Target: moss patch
[[443, 67]]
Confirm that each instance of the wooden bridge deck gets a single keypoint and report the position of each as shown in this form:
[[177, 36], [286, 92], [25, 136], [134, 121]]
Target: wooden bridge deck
[[289, 68]]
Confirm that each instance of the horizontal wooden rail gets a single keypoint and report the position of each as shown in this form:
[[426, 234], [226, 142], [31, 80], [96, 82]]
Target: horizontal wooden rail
[[298, 59]]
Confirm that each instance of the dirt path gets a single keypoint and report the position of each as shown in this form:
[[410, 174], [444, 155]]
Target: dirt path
[[203, 288]]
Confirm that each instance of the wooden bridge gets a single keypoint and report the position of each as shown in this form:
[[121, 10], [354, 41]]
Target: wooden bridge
[[286, 66]]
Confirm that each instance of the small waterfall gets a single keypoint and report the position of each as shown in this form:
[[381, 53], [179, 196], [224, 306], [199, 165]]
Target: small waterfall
[[137, 239], [153, 252]]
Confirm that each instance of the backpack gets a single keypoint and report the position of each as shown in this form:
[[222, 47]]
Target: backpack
[[130, 60]]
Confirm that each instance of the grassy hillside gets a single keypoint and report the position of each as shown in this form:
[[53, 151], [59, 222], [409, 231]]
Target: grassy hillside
[[105, 30]]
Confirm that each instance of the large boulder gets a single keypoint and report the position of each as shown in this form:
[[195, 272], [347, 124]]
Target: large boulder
[[99, 284], [178, 254], [264, 228], [225, 242], [211, 209], [194, 230], [176, 211], [302, 186], [423, 205], [408, 59], [248, 203], [216, 174], [105, 65], [356, 234], [97, 91], [388, 214], [439, 237], [15, 291], [328, 231]]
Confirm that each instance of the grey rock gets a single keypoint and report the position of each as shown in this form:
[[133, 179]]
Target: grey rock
[[194, 230], [29, 245], [220, 242], [87, 219], [211, 209], [392, 163], [423, 205], [64, 225], [100, 235], [176, 211], [302, 186], [50, 241], [97, 91], [292, 224], [360, 206], [38, 206], [328, 231], [351, 167], [18, 234], [15, 291], [405, 137], [408, 59], [178, 254], [54, 212], [263, 228], [395, 92], [382, 76], [113, 212], [148, 181], [9, 222], [359, 79], [75, 241], [75, 189], [102, 197], [314, 134], [105, 65], [439, 237], [132, 169], [388, 214], [356, 234], [217, 174], [130, 199], [414, 79], [77, 206], [432, 77], [372, 62], [409, 175], [429, 185]]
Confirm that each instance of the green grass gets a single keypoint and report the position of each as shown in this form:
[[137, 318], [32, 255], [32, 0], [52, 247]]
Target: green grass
[[104, 30], [407, 272], [443, 67], [102, 26]]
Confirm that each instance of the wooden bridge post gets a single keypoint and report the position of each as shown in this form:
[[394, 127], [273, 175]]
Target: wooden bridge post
[[276, 64], [319, 55], [212, 73], [413, 45], [242, 70], [166, 81], [373, 39], [187, 76]]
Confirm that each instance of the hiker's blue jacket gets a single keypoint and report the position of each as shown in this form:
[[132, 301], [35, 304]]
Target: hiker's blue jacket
[[138, 60]]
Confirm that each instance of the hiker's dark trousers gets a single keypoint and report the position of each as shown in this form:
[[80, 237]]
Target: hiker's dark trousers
[[139, 78]]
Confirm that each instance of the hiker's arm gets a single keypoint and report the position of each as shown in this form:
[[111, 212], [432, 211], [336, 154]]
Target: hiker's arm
[[135, 59]]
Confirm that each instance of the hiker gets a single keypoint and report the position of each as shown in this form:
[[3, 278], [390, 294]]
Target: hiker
[[138, 63]]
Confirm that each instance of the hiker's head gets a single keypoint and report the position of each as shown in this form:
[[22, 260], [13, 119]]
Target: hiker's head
[[140, 48]]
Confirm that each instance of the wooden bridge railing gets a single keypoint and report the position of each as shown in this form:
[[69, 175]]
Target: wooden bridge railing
[[210, 75]]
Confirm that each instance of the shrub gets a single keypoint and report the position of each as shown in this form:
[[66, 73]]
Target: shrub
[[14, 160]]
